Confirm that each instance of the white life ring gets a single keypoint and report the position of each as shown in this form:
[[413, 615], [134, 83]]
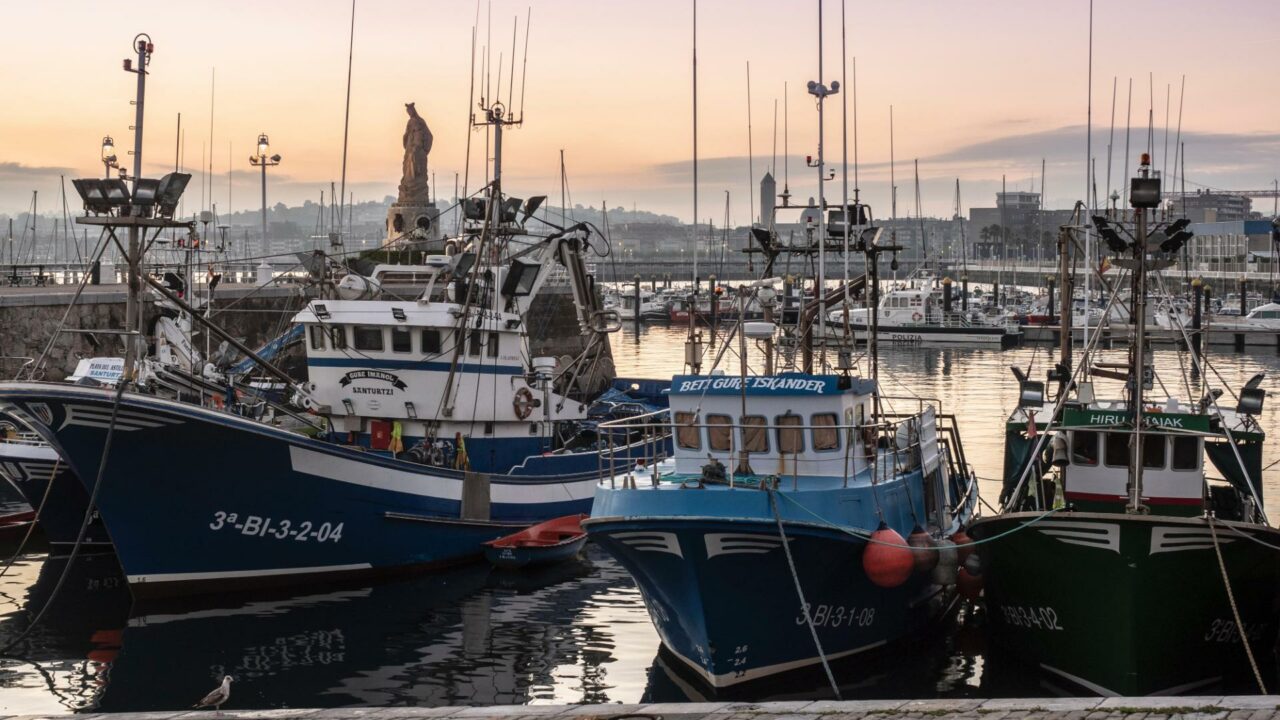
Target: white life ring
[[917, 317], [523, 403]]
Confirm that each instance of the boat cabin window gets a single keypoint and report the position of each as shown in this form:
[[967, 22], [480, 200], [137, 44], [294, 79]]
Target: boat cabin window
[[790, 436], [1117, 449], [474, 347], [493, 344], [317, 337], [755, 436], [825, 436], [1186, 453], [338, 337], [367, 338], [719, 432], [1153, 451], [401, 340], [1084, 447], [687, 434], [431, 344]]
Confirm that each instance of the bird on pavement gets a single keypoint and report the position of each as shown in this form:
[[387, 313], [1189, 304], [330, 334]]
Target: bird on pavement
[[220, 695]]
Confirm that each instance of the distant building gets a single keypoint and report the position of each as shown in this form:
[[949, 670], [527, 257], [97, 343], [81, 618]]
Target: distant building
[[1231, 246], [1017, 227], [1211, 207]]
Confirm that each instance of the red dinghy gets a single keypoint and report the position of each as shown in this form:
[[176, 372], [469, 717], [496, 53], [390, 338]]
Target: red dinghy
[[548, 542]]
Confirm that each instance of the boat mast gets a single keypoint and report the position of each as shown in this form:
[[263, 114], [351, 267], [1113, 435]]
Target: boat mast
[[820, 91], [1138, 349], [133, 300]]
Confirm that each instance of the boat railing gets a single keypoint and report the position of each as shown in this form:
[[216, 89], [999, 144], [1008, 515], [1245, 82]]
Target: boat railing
[[880, 444]]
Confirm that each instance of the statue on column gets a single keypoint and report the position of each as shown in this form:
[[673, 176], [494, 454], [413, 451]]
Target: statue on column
[[417, 145]]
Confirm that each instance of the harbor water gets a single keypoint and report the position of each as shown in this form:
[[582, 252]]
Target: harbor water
[[571, 633]]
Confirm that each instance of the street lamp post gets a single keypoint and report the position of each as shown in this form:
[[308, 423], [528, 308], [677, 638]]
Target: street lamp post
[[263, 160]]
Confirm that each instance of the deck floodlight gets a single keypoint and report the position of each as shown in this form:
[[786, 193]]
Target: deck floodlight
[[1108, 233], [474, 208], [93, 195], [520, 278], [171, 187], [1177, 226], [509, 209], [146, 192], [117, 193], [1144, 192], [532, 204], [1252, 396], [1174, 242], [1030, 392], [869, 237]]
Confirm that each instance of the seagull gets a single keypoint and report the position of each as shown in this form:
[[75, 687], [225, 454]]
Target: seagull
[[220, 695]]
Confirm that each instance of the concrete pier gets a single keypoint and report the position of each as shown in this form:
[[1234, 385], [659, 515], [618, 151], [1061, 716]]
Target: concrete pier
[[1250, 707]]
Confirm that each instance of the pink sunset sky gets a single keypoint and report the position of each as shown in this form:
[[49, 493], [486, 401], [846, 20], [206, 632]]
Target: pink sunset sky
[[979, 89]]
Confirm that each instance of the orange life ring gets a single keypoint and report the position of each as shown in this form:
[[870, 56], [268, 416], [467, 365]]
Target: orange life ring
[[917, 317], [523, 403]]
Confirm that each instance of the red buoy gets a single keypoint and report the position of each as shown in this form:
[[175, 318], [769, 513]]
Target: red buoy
[[887, 559], [924, 553], [963, 544], [969, 585]]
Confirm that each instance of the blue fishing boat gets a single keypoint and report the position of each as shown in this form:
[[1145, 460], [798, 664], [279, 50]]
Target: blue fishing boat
[[431, 426], [755, 545], [545, 543]]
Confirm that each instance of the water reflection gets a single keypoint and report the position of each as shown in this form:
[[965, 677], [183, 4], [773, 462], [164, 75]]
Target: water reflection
[[571, 633]]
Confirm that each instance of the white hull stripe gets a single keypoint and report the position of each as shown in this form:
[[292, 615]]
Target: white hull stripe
[[232, 574], [126, 421], [1104, 536], [644, 541], [1173, 539], [739, 544], [1094, 687], [23, 451], [733, 678], [346, 470]]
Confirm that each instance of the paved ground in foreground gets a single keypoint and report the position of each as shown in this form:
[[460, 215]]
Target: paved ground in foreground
[[1264, 707]]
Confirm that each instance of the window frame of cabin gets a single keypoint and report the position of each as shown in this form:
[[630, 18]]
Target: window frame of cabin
[[1197, 457], [760, 431], [1071, 448], [789, 427], [407, 336], [475, 343], [686, 426], [317, 333], [491, 345], [834, 429], [719, 432], [338, 337], [1150, 441], [439, 341], [1106, 449], [368, 331]]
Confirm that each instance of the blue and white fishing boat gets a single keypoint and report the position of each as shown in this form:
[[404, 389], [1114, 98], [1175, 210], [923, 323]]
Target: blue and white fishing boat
[[749, 544], [774, 538], [440, 429]]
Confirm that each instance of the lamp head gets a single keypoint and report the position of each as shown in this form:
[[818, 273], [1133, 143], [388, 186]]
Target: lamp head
[[108, 149], [263, 145]]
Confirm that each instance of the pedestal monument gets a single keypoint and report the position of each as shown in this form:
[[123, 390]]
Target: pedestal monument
[[414, 216]]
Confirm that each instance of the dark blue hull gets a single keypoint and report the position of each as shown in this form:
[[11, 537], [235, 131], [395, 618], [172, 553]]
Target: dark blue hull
[[723, 599], [51, 487], [200, 500]]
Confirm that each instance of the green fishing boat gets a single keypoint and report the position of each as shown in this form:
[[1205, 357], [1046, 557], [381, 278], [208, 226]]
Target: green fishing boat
[[1132, 554]]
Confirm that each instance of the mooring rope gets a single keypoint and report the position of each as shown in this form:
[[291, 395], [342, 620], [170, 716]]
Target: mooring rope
[[1235, 611], [804, 606], [84, 524]]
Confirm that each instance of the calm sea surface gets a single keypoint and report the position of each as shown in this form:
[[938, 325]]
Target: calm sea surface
[[573, 633]]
